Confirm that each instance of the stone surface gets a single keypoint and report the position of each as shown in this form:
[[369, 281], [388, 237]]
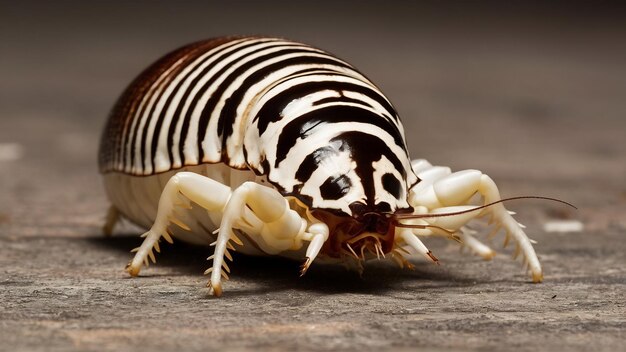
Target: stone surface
[[534, 96]]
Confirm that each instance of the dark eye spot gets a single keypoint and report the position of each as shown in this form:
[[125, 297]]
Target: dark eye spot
[[392, 185], [335, 187]]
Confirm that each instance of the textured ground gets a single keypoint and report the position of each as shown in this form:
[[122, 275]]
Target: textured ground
[[532, 96]]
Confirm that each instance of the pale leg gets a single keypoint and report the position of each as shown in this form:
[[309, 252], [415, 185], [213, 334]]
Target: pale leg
[[209, 194], [264, 213], [443, 192], [257, 210]]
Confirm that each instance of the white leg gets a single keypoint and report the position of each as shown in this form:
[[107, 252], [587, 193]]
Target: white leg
[[512, 228], [407, 237], [204, 191], [317, 233], [263, 211], [446, 193], [255, 209], [474, 245]]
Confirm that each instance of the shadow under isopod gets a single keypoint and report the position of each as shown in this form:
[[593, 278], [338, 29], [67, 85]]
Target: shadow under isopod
[[273, 273]]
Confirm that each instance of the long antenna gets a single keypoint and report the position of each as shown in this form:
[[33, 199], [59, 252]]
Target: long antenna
[[422, 216]]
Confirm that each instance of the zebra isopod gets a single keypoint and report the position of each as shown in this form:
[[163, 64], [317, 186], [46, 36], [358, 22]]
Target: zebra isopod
[[272, 147]]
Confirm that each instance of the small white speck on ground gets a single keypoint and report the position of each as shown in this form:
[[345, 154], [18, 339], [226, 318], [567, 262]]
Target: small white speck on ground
[[11, 151], [563, 226]]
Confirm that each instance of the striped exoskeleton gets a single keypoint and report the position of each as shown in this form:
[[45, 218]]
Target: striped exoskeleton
[[283, 149]]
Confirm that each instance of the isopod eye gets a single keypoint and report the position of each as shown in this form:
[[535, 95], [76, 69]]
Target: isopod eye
[[392, 185], [335, 187]]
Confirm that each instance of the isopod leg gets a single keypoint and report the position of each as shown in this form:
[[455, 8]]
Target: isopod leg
[[443, 192], [503, 219], [317, 233], [255, 209], [474, 245], [202, 190], [264, 213], [406, 236]]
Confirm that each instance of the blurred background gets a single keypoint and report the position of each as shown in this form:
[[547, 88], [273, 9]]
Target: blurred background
[[531, 93]]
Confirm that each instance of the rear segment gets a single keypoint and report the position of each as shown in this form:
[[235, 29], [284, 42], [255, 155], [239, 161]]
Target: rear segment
[[131, 135]]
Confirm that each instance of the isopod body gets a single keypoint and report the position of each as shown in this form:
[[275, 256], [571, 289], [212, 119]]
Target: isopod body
[[272, 147]]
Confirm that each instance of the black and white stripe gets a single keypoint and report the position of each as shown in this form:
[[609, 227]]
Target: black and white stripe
[[313, 125]]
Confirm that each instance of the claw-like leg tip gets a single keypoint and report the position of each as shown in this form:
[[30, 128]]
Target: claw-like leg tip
[[305, 267], [432, 257], [489, 255], [132, 270], [537, 277], [215, 290]]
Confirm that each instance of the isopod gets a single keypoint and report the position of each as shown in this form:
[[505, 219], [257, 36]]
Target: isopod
[[272, 147]]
